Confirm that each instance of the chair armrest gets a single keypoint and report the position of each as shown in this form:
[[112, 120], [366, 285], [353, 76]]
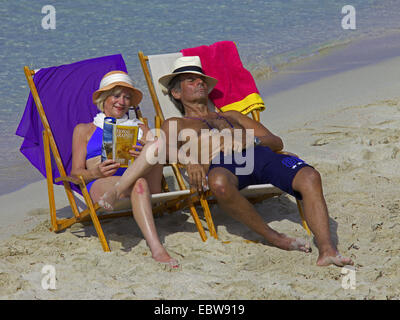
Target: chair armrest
[[74, 179]]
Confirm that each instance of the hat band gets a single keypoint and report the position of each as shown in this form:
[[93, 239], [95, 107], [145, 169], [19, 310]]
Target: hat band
[[116, 77], [189, 68]]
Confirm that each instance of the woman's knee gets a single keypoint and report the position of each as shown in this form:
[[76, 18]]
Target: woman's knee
[[140, 187], [102, 185]]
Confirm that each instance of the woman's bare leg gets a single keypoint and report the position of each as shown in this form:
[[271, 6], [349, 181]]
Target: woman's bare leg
[[100, 186], [139, 168], [143, 214]]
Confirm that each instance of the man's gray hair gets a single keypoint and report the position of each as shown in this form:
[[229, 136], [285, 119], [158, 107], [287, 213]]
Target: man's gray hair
[[175, 84]]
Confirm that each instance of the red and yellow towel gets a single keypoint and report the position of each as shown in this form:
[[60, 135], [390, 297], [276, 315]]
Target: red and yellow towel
[[236, 88]]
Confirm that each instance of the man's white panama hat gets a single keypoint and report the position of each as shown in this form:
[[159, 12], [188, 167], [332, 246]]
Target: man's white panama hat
[[187, 64]]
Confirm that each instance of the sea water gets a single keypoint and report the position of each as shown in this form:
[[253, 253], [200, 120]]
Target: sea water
[[269, 35]]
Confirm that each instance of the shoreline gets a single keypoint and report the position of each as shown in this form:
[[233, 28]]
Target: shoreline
[[328, 61], [303, 103]]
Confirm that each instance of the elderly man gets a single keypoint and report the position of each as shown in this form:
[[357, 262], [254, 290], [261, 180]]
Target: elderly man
[[188, 87]]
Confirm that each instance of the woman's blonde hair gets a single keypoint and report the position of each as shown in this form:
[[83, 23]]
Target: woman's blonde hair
[[104, 95]]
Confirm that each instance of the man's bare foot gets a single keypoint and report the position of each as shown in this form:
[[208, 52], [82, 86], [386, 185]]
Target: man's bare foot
[[338, 260]]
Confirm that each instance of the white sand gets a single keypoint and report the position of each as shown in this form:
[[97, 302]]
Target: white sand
[[348, 128]]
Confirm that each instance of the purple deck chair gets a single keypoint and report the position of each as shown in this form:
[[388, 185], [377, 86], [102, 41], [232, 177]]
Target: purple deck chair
[[60, 98], [66, 95]]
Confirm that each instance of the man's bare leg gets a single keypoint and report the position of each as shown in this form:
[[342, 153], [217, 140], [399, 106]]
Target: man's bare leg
[[223, 184], [308, 182]]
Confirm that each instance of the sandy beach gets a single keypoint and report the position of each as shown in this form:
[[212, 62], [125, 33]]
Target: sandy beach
[[346, 126]]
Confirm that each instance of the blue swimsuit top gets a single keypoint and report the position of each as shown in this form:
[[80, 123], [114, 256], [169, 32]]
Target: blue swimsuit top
[[93, 148]]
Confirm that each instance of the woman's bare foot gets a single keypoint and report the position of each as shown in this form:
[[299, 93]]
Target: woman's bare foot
[[165, 258], [172, 263], [108, 199], [336, 259]]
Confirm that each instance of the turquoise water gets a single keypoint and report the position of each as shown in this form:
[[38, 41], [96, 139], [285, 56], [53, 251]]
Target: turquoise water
[[269, 35]]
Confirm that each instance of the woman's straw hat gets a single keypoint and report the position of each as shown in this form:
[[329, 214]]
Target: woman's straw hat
[[187, 64], [118, 78]]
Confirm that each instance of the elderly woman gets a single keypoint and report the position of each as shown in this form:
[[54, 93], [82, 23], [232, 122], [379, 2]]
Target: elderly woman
[[114, 97]]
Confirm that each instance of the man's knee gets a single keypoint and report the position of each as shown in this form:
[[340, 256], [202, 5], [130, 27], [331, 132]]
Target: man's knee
[[220, 182], [306, 180]]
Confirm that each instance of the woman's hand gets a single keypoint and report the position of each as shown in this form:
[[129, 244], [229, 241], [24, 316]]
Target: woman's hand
[[146, 137], [108, 168], [135, 152]]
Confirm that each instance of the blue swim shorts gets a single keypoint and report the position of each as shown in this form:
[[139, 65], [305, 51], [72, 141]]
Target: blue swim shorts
[[269, 167]]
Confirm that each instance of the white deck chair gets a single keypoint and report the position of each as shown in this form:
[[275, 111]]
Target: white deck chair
[[160, 65]]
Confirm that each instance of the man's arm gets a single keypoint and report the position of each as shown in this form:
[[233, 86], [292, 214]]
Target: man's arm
[[267, 137], [197, 172]]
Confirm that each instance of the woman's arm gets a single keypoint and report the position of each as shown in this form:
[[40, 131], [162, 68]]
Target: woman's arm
[[79, 144]]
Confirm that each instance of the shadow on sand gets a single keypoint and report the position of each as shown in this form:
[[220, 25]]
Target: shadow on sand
[[129, 235]]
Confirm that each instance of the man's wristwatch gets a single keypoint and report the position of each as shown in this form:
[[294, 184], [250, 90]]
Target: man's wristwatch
[[257, 141]]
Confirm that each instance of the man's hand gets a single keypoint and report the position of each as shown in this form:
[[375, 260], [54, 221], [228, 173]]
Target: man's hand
[[198, 176]]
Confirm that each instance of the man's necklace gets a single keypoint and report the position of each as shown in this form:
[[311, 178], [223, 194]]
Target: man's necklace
[[205, 121]]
